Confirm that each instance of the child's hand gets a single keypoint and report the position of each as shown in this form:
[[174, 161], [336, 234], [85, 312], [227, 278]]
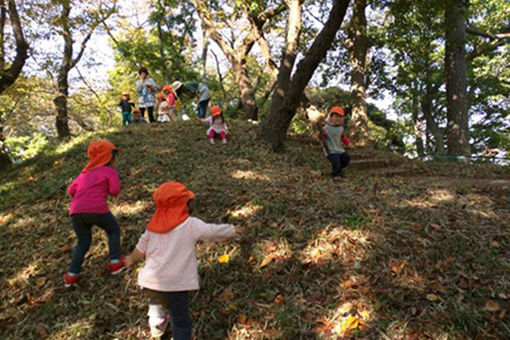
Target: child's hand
[[129, 261]]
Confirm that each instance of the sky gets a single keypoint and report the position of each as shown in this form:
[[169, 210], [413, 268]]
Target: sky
[[137, 13]]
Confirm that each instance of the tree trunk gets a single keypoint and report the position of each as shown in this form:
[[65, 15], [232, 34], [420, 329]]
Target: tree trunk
[[455, 64], [418, 133], [9, 76], [358, 60], [249, 105], [432, 126], [60, 100], [5, 160], [287, 98]]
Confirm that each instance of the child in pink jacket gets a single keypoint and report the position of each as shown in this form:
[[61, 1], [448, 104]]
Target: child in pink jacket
[[171, 268], [88, 207]]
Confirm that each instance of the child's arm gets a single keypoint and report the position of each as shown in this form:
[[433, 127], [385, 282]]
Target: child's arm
[[211, 232], [113, 183], [139, 253], [345, 140], [71, 189], [133, 258], [206, 119]]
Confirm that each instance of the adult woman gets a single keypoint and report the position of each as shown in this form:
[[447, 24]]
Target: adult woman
[[146, 88]]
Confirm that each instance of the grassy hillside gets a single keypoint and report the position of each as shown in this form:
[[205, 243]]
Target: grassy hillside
[[420, 254]]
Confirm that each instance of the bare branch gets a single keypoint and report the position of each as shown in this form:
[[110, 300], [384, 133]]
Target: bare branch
[[497, 36]]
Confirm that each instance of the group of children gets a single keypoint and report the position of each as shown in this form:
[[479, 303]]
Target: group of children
[[165, 107], [168, 242]]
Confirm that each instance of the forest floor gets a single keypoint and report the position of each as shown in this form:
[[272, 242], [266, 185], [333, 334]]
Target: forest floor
[[400, 250]]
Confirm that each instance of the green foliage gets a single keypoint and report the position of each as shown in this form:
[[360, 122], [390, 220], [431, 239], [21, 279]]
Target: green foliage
[[23, 148]]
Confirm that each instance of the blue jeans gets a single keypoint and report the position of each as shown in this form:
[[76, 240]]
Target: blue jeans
[[82, 224], [338, 162], [202, 108], [126, 118], [177, 303]]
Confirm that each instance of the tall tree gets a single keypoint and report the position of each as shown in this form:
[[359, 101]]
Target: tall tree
[[289, 90], [9, 72], [358, 44], [456, 81], [93, 18]]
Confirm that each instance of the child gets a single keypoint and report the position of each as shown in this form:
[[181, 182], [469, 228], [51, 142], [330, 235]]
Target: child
[[162, 107], [333, 136], [88, 207], [217, 125], [168, 246], [169, 92], [137, 117], [126, 104]]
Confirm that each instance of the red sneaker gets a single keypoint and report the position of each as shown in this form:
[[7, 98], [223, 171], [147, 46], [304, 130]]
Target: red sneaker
[[71, 280], [116, 268]]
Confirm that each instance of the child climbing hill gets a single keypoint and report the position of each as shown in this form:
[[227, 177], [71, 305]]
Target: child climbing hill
[[171, 268], [89, 191]]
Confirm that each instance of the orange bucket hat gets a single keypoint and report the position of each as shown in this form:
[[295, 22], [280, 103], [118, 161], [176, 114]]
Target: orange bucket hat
[[215, 111], [100, 153], [166, 88], [161, 96], [171, 200], [337, 110]]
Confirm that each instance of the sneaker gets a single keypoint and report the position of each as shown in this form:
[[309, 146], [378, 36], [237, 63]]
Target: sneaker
[[71, 280], [224, 141], [116, 268], [157, 331], [211, 141]]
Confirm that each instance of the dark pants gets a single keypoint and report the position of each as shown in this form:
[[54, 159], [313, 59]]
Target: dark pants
[[177, 304], [338, 162], [126, 118], [82, 224], [202, 108], [150, 112]]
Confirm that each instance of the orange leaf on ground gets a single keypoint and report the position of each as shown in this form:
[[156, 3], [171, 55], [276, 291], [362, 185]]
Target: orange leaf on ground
[[65, 249], [350, 323], [495, 244], [279, 299], [492, 306], [396, 267]]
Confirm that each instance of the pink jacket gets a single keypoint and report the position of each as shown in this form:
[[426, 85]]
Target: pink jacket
[[90, 189], [170, 260]]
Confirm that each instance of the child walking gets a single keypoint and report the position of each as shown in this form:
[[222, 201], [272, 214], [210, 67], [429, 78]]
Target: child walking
[[334, 137], [88, 207], [217, 125], [170, 271], [126, 105]]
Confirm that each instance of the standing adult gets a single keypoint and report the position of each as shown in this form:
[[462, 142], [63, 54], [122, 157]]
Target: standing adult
[[146, 88], [194, 89]]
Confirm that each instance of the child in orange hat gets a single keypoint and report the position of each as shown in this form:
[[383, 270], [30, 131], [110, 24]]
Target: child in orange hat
[[89, 191], [334, 139], [126, 104], [217, 125], [162, 108], [170, 97], [171, 268]]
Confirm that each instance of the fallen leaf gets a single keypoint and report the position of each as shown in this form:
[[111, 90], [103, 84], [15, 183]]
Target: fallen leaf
[[417, 227], [266, 261], [41, 332], [396, 267], [492, 306], [224, 258], [241, 318], [226, 295], [432, 297], [40, 281], [279, 299], [495, 244], [65, 249], [365, 315], [463, 283], [349, 323]]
